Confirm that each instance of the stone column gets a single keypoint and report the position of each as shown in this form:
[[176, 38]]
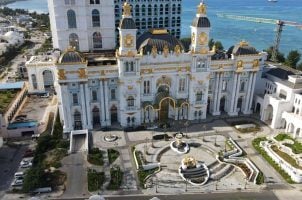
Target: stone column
[[237, 95], [102, 101], [108, 122], [234, 89], [219, 94], [215, 93], [66, 108], [252, 91], [248, 94], [88, 108], [83, 107]]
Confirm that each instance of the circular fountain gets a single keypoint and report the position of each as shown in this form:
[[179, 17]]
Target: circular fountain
[[194, 172], [110, 138], [178, 145]]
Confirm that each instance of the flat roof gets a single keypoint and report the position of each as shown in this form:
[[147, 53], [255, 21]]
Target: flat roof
[[8, 86]]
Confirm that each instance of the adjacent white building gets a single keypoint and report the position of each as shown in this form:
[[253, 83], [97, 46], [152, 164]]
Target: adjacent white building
[[279, 98], [149, 78]]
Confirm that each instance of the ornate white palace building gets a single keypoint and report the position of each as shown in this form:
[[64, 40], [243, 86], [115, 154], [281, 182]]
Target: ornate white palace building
[[151, 78]]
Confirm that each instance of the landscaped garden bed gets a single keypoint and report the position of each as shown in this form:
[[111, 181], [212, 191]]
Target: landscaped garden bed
[[261, 151], [296, 146], [142, 175], [112, 155], [286, 157], [95, 157], [116, 178], [95, 180]]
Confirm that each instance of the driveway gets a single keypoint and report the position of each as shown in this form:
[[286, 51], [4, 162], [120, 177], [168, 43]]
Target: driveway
[[75, 166]]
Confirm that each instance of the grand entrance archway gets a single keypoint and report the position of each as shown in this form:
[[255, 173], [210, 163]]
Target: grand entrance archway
[[166, 109], [96, 117], [113, 112]]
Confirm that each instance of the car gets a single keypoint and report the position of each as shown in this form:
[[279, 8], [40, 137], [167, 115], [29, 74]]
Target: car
[[17, 182], [19, 174], [26, 165], [28, 153], [35, 136]]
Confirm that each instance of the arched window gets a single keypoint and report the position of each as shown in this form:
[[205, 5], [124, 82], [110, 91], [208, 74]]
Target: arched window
[[113, 96], [94, 95], [167, 9], [34, 81], [198, 96], [155, 10], [166, 21], [117, 11], [137, 10], [77, 120], [71, 18], [161, 9], [96, 18], [143, 10], [97, 40], [130, 101], [155, 23], [149, 10], [74, 40]]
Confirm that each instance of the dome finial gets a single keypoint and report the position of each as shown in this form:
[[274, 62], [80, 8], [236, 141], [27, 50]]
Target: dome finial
[[202, 8], [127, 9]]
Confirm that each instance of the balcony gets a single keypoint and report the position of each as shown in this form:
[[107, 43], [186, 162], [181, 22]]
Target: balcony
[[131, 108]]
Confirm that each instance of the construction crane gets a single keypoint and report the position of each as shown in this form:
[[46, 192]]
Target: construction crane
[[280, 24]]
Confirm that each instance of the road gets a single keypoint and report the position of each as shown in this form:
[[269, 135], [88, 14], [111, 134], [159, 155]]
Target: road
[[265, 195]]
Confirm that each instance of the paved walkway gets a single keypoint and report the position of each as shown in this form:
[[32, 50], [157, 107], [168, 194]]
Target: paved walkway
[[75, 166]]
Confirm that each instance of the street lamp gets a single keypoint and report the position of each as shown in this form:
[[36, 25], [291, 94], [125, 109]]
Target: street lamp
[[186, 185]]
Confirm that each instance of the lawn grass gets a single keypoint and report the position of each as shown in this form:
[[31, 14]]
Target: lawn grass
[[116, 178], [286, 157], [6, 97], [282, 136], [95, 180], [262, 152], [142, 175], [112, 155], [296, 146], [95, 157]]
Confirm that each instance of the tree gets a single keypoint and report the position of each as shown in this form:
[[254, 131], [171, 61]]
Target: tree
[[293, 58], [280, 56], [219, 45], [211, 43]]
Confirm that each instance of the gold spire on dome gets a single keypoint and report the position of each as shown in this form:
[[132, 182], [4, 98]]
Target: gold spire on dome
[[243, 43], [127, 9], [202, 9]]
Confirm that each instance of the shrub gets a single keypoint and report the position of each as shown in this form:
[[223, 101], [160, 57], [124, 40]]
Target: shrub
[[112, 155], [116, 178], [95, 157], [142, 175], [95, 180]]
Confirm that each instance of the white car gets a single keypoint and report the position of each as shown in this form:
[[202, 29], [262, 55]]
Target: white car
[[17, 182], [26, 162]]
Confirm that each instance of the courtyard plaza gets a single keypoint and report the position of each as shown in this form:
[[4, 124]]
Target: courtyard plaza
[[210, 136]]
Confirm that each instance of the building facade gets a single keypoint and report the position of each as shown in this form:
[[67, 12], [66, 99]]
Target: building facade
[[151, 78], [89, 25], [149, 14], [279, 98]]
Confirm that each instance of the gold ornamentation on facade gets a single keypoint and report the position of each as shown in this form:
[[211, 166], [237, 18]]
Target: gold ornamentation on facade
[[202, 38], [159, 31], [256, 63], [240, 64], [154, 51], [103, 73], [82, 73], [203, 51], [61, 74], [193, 38], [221, 66], [166, 50], [188, 68], [177, 50], [130, 87], [164, 81], [209, 76], [128, 41], [202, 9], [130, 54], [127, 9], [200, 82], [243, 43]]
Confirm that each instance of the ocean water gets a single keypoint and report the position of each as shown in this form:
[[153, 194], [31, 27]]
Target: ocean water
[[229, 31]]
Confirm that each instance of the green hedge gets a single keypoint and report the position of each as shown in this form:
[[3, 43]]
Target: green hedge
[[116, 178], [112, 155], [95, 157], [95, 180], [283, 136], [256, 144], [142, 175]]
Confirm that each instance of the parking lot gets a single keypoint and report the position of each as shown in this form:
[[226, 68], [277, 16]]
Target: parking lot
[[10, 158]]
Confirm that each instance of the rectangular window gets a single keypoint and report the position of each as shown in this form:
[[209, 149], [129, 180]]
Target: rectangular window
[[182, 84], [94, 95], [113, 96], [146, 87], [72, 2], [66, 2], [75, 98], [129, 67]]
